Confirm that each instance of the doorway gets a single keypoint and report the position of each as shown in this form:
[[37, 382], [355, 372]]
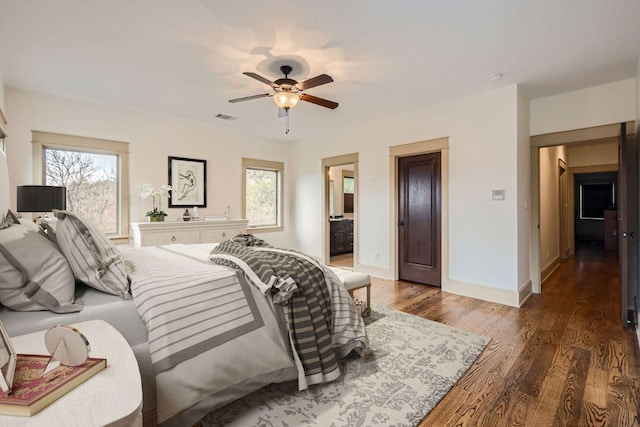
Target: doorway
[[584, 152], [340, 211]]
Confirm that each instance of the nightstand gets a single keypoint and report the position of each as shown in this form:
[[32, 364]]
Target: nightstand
[[112, 397]]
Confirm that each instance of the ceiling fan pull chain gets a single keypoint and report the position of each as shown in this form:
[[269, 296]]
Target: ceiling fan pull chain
[[287, 132]]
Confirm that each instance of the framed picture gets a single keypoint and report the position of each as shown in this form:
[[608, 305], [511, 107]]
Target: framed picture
[[8, 360], [188, 180]]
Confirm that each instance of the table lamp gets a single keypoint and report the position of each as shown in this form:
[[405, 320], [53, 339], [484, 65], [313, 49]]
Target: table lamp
[[41, 198]]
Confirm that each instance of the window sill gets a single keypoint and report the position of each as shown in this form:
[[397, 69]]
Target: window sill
[[270, 229], [119, 240]]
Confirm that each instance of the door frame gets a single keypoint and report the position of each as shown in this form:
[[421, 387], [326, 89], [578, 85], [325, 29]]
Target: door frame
[[563, 205], [328, 162], [405, 150], [548, 140]]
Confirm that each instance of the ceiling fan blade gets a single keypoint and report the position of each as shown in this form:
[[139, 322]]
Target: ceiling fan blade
[[322, 79], [261, 79], [319, 101], [282, 113], [247, 98]]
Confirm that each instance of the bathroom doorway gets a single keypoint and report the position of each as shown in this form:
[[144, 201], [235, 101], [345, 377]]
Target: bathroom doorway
[[340, 211]]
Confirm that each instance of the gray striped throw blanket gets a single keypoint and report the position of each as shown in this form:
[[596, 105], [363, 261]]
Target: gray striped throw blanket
[[298, 283]]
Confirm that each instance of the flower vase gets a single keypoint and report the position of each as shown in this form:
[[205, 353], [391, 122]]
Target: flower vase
[[156, 218]]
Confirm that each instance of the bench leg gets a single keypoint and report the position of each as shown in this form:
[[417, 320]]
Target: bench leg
[[367, 311]]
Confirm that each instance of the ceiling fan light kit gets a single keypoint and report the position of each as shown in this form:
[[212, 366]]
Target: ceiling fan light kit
[[286, 100], [288, 92]]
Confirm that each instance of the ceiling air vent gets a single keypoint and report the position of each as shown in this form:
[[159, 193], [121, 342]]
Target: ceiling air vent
[[225, 117]]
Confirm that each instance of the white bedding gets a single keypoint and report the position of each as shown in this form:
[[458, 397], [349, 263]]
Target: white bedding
[[225, 371]]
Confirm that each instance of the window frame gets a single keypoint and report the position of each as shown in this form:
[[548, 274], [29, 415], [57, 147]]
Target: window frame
[[581, 199], [266, 165], [42, 140]]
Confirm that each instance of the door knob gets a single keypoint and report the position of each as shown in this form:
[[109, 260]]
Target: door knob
[[628, 234], [401, 223]]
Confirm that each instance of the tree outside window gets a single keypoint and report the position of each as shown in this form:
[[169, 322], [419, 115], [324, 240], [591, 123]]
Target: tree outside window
[[91, 180], [263, 194]]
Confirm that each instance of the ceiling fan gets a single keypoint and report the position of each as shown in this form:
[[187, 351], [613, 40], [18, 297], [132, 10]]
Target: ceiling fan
[[288, 92]]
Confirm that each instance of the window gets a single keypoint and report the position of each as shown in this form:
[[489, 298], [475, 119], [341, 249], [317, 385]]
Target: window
[[262, 203], [94, 173], [347, 186], [348, 189], [595, 198]]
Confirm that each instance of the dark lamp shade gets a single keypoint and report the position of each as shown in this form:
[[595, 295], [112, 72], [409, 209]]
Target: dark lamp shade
[[41, 198]]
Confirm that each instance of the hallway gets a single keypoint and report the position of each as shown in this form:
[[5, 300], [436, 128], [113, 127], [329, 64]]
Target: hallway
[[561, 359]]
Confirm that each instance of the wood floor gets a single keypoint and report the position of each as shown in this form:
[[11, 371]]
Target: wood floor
[[342, 261], [563, 359]]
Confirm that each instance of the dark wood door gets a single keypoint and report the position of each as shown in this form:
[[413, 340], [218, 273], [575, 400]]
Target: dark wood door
[[628, 220], [419, 218]]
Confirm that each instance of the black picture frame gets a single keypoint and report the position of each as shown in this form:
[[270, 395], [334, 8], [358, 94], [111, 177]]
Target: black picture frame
[[188, 181]]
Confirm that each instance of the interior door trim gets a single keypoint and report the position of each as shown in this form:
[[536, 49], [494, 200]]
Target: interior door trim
[[328, 162], [411, 149]]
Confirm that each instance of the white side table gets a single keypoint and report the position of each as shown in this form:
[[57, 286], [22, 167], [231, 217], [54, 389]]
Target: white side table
[[112, 397]]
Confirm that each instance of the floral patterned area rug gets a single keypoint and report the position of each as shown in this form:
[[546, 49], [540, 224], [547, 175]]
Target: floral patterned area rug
[[418, 362]]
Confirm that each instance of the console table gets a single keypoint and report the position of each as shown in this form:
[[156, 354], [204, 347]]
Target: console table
[[166, 233]]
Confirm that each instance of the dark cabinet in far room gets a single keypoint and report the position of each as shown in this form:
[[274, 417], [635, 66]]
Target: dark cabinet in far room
[[341, 236]]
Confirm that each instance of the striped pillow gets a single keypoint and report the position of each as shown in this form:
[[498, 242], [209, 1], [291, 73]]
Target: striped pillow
[[33, 273], [94, 259]]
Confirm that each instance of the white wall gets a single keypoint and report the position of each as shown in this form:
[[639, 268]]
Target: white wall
[[550, 203], [2, 101], [483, 155], [524, 190], [594, 106], [152, 138]]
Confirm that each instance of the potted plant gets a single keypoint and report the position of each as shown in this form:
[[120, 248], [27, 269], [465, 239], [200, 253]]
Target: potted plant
[[149, 190], [156, 215]]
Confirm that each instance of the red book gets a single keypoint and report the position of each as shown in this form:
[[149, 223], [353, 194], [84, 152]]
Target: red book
[[32, 391]]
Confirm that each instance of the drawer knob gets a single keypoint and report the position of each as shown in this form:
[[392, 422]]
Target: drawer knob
[[224, 234], [173, 238]]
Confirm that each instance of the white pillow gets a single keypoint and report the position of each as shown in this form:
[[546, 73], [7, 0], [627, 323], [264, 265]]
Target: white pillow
[[34, 274], [94, 259]]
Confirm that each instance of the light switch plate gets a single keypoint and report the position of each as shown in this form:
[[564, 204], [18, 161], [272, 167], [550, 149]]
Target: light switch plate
[[497, 194]]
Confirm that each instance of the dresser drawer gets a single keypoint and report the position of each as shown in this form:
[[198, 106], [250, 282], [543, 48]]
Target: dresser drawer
[[185, 232], [167, 238], [217, 236]]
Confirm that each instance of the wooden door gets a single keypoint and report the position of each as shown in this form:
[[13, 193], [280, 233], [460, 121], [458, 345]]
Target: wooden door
[[627, 220], [419, 218]]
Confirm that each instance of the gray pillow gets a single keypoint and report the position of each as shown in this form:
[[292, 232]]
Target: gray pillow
[[49, 227], [94, 259], [33, 273]]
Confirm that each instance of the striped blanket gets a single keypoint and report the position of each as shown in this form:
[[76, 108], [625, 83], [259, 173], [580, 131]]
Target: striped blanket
[[188, 307], [303, 287]]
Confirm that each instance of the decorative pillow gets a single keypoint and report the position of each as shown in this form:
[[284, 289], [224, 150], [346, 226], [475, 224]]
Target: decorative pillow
[[94, 259], [49, 226], [8, 219], [33, 273], [30, 225]]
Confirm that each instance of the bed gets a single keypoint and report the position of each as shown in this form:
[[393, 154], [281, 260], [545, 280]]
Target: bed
[[203, 334]]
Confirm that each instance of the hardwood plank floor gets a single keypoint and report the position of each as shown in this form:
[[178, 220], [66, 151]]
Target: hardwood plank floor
[[563, 359]]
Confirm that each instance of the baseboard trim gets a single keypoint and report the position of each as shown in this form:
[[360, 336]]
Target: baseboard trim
[[486, 293], [524, 292], [550, 268], [382, 273]]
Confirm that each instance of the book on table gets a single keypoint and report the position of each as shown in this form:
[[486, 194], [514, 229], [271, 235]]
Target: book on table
[[32, 391]]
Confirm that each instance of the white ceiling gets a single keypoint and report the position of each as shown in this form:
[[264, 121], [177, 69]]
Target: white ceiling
[[185, 57]]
